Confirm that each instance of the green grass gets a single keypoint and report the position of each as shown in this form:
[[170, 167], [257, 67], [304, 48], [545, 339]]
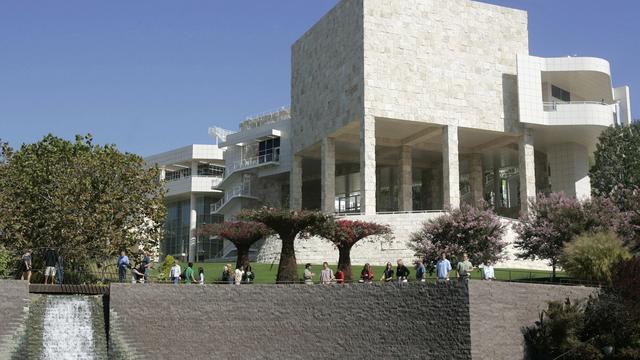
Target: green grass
[[266, 273]]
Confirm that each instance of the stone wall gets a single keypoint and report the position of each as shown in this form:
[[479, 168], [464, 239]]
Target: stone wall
[[499, 310], [14, 299], [292, 322]]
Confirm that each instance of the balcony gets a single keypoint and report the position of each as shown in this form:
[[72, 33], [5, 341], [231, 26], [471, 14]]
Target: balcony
[[580, 113], [188, 184], [241, 190], [253, 162]]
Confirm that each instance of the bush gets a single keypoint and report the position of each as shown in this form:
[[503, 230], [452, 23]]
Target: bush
[[6, 263], [592, 256], [477, 232], [165, 268]]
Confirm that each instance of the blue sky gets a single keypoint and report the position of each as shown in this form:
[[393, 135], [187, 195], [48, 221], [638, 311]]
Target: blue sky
[[152, 75]]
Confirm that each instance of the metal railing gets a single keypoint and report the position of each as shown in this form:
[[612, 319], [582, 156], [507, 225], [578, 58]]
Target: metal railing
[[553, 105], [243, 189], [266, 159]]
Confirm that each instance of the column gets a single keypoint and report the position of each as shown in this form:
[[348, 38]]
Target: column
[[450, 167], [193, 222], [163, 173], [368, 165], [406, 180], [328, 175], [295, 183], [477, 179], [527, 170]]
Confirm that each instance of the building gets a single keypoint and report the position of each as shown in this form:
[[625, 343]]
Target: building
[[402, 109]]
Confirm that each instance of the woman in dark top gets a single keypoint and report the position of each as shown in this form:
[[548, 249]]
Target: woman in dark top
[[366, 275], [402, 272], [388, 273]]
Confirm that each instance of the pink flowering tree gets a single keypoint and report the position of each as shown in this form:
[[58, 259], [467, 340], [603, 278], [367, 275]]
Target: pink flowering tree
[[288, 225], [241, 234], [475, 231], [344, 234]]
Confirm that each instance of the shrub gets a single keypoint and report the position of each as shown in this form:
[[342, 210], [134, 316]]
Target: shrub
[[165, 268], [626, 284], [6, 262], [591, 256], [477, 232]]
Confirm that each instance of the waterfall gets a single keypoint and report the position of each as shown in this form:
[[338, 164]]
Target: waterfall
[[67, 331]]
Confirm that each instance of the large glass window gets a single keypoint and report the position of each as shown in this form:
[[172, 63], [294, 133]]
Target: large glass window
[[560, 94], [177, 175], [269, 150], [210, 170]]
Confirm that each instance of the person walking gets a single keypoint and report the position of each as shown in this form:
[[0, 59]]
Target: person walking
[[387, 276], [123, 264], [226, 274], [146, 265], [443, 266], [464, 268], [248, 275], [308, 275], [326, 275], [238, 275], [402, 272], [26, 266], [488, 273], [366, 275], [175, 272], [421, 271], [189, 277], [60, 269], [339, 276], [200, 275], [50, 261]]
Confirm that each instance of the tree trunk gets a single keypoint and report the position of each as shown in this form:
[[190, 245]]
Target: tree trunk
[[344, 263], [243, 256], [553, 271], [288, 267]]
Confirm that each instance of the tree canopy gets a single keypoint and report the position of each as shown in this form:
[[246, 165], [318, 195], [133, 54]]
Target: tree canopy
[[617, 159], [241, 233], [85, 199]]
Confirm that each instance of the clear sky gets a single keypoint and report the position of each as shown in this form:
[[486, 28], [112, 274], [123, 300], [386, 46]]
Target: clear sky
[[152, 75]]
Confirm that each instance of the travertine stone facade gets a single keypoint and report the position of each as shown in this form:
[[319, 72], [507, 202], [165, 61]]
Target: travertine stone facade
[[295, 183], [569, 165], [527, 169], [451, 167], [328, 174], [406, 179], [368, 164], [476, 179]]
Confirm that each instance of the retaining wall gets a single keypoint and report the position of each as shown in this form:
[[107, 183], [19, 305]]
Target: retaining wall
[[14, 298]]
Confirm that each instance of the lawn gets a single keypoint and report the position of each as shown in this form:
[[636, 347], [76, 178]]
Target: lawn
[[266, 273]]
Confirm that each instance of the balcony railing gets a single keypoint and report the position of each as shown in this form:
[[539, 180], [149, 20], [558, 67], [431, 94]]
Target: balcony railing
[[266, 159], [243, 189], [553, 105]]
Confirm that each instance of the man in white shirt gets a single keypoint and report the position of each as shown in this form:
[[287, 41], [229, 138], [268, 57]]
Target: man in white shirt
[[174, 273], [488, 273]]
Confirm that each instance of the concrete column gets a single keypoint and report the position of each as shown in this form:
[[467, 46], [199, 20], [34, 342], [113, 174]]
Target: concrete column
[[295, 183], [368, 165], [569, 165], [328, 175], [163, 173], [450, 167], [193, 222], [527, 170], [406, 180], [477, 179]]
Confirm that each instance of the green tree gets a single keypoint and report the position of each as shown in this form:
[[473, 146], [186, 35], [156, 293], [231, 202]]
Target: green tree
[[344, 234], [289, 225], [617, 159], [89, 200], [592, 256], [241, 233]]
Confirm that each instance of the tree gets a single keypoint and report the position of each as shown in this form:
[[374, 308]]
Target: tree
[[628, 201], [475, 231], [617, 159], [591, 256], [344, 234], [242, 234], [288, 225], [88, 200]]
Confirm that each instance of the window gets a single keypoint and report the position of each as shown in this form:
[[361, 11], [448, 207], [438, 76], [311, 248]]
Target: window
[[176, 175], [560, 94], [269, 150], [210, 170]]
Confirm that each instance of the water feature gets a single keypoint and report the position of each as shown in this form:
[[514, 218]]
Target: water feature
[[67, 331]]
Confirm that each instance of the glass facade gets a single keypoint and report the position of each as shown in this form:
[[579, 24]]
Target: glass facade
[[269, 150]]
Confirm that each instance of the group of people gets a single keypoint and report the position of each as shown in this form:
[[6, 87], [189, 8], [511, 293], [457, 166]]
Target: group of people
[[241, 275], [139, 272], [53, 266]]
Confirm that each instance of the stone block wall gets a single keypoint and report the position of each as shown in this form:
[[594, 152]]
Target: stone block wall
[[14, 299], [499, 311], [410, 321]]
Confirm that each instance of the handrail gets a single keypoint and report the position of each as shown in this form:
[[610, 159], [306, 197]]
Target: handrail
[[241, 189], [265, 159], [553, 105]]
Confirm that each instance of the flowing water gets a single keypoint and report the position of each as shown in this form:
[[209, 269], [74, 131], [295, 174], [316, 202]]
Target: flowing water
[[67, 331]]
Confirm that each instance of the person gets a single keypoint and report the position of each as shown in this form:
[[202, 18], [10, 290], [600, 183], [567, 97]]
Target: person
[[175, 272], [339, 276], [488, 272], [464, 268], [123, 264], [50, 260], [60, 269], [248, 275], [402, 272], [421, 271], [387, 276], [146, 265], [238, 275], [326, 275], [137, 274], [366, 275], [200, 275], [308, 275], [226, 274], [189, 278], [26, 266], [443, 266]]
